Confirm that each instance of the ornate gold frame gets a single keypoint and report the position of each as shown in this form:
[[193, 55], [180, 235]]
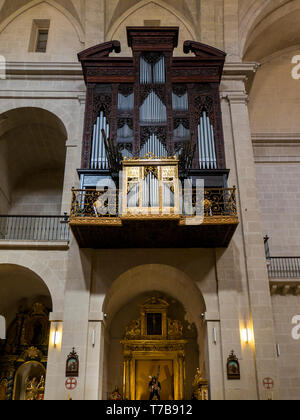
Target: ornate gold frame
[[170, 345], [166, 170], [153, 350]]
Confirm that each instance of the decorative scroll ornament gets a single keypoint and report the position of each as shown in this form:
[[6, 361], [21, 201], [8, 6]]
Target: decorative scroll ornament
[[32, 353]]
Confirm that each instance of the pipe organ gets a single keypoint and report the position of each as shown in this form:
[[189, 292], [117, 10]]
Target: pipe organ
[[152, 121], [153, 104]]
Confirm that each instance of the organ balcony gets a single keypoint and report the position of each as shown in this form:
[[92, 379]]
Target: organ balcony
[[153, 170], [152, 209]]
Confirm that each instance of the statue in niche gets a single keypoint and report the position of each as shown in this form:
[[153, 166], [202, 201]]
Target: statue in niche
[[35, 388], [155, 387]]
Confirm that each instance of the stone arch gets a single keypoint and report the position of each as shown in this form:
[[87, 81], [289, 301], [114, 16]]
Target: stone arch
[[155, 277], [73, 19], [141, 4], [61, 113], [260, 16], [32, 141], [122, 299], [24, 282]]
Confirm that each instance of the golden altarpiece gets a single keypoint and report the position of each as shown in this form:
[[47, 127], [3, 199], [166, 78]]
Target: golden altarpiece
[[23, 355], [154, 345]]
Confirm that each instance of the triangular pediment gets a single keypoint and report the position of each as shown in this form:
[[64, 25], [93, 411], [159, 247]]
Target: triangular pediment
[[203, 50], [100, 51]]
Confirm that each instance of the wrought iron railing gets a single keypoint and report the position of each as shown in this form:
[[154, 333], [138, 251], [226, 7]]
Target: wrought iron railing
[[34, 228], [93, 203], [284, 267]]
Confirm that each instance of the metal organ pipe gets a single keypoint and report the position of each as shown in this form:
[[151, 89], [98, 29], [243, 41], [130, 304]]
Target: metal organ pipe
[[206, 143], [153, 110], [158, 77], [180, 103], [153, 145], [125, 103], [98, 156], [151, 191]]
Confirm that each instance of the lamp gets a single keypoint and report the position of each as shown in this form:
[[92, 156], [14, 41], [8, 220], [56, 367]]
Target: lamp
[[56, 337], [245, 335]]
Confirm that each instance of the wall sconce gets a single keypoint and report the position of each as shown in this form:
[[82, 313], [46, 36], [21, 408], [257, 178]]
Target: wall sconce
[[215, 335], [56, 338], [93, 338], [278, 350], [246, 335]]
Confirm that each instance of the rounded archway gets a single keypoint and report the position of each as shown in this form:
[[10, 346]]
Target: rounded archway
[[25, 302], [122, 306], [32, 161], [20, 287]]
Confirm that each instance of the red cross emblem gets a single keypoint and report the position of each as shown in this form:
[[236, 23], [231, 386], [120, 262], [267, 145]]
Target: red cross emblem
[[268, 383], [71, 383]]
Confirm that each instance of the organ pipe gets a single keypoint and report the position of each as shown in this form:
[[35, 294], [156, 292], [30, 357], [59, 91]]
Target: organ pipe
[[182, 133], [153, 110], [125, 103], [154, 146], [206, 143], [152, 73], [180, 103], [98, 156]]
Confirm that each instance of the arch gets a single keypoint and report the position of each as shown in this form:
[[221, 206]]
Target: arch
[[33, 115], [33, 141], [54, 3], [155, 277], [260, 16], [43, 279], [64, 119], [118, 22]]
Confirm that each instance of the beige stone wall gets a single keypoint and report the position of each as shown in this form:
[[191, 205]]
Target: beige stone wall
[[285, 309], [63, 41], [40, 194], [273, 107]]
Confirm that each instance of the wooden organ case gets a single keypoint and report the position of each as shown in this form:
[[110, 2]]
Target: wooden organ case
[[152, 105]]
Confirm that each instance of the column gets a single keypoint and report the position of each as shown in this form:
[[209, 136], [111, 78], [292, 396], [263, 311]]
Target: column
[[215, 360], [94, 363], [249, 254], [55, 374]]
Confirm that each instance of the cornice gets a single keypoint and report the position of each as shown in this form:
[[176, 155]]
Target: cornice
[[45, 70]]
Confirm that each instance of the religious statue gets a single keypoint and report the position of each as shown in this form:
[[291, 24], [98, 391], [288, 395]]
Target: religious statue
[[35, 388], [115, 395], [200, 387], [154, 388]]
